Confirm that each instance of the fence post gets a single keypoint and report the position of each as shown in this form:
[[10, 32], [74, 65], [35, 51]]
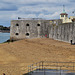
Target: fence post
[[44, 70], [39, 65], [42, 65], [36, 67], [57, 68], [28, 69], [73, 66], [60, 70], [32, 68]]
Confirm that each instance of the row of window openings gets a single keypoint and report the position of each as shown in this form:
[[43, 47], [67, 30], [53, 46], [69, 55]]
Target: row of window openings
[[27, 24], [27, 34]]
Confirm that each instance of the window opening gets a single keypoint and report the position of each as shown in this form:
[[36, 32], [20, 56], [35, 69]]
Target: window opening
[[17, 33], [38, 24], [27, 34], [17, 24], [27, 24]]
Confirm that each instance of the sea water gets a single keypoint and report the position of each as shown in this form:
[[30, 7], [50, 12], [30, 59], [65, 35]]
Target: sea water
[[51, 72], [4, 37]]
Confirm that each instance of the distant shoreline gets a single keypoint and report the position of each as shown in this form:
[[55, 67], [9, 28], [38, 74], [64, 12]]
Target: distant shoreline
[[4, 31]]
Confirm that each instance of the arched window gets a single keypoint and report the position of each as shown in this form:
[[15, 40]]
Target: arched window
[[38, 24], [27, 34], [17, 24], [27, 24]]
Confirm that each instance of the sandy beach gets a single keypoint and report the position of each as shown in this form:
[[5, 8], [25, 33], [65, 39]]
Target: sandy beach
[[16, 56]]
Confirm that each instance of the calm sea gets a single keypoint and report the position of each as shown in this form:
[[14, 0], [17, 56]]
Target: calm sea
[[4, 37]]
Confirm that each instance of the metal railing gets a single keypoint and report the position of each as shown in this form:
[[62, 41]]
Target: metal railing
[[58, 66]]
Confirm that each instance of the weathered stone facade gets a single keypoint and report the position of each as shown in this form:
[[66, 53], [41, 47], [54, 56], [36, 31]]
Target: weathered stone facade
[[63, 32], [21, 29]]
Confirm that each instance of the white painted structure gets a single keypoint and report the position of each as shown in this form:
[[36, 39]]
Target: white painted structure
[[64, 17]]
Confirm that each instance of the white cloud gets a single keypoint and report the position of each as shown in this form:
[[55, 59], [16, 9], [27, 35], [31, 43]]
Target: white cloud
[[48, 9], [15, 16], [34, 1], [49, 16]]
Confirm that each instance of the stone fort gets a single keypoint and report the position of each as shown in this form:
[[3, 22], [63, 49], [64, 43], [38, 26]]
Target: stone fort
[[62, 29]]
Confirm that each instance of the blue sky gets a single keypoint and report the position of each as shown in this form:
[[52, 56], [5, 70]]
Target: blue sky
[[47, 9]]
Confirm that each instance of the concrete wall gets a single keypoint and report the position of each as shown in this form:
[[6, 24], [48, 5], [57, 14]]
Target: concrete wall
[[63, 32]]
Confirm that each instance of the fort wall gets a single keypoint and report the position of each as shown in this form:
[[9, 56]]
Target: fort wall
[[55, 29], [21, 29], [63, 32]]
